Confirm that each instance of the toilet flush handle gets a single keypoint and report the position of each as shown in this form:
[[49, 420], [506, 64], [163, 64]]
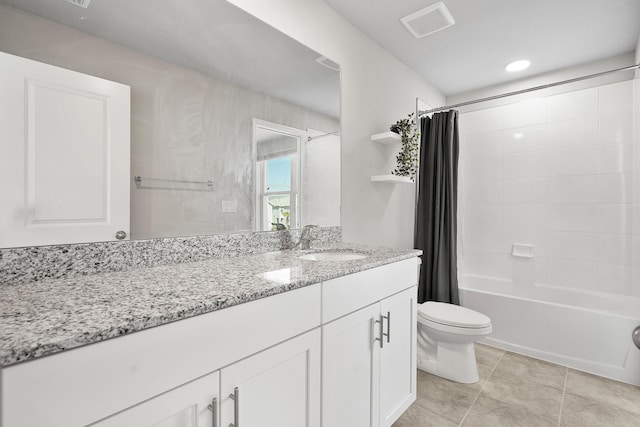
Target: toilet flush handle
[[635, 336]]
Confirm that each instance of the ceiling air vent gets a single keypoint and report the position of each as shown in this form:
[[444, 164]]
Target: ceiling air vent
[[328, 63], [81, 3], [428, 20]]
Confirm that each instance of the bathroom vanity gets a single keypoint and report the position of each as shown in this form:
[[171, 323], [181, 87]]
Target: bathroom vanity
[[260, 340]]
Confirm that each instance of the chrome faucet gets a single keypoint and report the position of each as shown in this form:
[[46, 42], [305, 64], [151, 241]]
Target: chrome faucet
[[305, 237]]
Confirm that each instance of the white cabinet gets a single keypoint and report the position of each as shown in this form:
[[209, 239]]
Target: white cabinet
[[340, 353], [277, 387], [349, 358], [368, 362], [369, 355], [398, 356], [194, 404], [82, 386]]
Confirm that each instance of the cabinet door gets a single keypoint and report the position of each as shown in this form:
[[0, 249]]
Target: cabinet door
[[65, 155], [276, 387], [349, 369], [398, 355], [194, 404]]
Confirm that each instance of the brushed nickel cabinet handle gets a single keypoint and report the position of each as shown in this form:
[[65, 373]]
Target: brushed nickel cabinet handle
[[380, 332], [388, 334], [213, 407], [235, 396]]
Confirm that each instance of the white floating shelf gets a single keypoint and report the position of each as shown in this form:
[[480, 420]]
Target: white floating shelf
[[387, 138], [391, 179]]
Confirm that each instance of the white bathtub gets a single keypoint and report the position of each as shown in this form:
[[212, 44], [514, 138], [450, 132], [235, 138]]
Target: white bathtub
[[587, 331]]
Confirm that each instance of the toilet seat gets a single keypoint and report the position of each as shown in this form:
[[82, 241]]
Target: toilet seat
[[452, 316]]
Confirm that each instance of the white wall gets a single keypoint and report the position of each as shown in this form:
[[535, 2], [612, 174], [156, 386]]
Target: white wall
[[377, 90], [555, 172], [321, 179]]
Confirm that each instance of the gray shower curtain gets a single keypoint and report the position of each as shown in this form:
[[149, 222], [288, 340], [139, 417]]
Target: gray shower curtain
[[437, 205]]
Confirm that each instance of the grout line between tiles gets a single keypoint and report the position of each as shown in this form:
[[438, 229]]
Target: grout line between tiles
[[482, 388], [564, 392]]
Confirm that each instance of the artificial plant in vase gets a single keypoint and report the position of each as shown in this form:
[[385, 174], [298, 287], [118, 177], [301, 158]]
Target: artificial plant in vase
[[407, 158]]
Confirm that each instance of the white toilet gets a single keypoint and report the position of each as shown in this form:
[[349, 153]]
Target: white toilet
[[446, 334]]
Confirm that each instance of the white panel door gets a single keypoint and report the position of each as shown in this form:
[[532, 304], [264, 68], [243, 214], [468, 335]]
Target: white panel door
[[64, 163], [350, 379], [398, 355], [194, 404], [276, 387]]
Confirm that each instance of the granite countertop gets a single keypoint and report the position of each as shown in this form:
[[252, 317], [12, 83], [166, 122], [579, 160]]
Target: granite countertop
[[46, 317]]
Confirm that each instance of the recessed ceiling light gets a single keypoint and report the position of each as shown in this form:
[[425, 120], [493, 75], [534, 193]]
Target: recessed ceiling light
[[519, 65]]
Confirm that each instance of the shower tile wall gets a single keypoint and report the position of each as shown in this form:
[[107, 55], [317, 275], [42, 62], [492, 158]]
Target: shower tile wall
[[555, 172]]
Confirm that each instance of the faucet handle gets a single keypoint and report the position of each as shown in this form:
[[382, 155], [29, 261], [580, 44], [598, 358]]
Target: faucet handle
[[307, 229], [305, 239]]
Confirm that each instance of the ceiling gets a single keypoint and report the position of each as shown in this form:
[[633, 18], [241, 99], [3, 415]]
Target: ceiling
[[552, 34]]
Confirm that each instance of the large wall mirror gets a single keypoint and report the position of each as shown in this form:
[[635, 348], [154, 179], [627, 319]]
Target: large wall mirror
[[234, 126]]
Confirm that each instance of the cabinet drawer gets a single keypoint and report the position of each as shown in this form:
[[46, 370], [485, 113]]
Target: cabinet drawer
[[347, 294], [80, 386]]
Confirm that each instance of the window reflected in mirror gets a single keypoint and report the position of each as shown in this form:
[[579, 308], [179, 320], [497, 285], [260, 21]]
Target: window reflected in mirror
[[277, 149]]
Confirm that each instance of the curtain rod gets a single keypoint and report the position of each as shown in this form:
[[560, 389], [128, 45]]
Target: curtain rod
[[531, 89]]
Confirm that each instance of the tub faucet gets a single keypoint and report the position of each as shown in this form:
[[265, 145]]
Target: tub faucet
[[305, 237]]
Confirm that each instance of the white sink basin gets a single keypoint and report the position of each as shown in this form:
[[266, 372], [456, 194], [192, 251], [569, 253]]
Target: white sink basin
[[333, 256]]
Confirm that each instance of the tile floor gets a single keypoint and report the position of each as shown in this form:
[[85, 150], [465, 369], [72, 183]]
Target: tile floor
[[516, 390]]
